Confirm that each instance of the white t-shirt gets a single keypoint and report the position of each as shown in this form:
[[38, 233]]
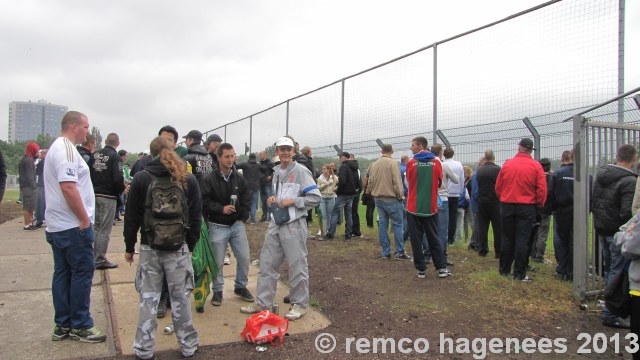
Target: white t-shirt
[[64, 163]]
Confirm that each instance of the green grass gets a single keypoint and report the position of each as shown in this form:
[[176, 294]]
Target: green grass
[[11, 195]]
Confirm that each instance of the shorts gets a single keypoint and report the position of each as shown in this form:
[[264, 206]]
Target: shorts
[[29, 199]]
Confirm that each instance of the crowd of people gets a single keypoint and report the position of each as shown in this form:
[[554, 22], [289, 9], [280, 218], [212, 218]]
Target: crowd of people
[[429, 199]]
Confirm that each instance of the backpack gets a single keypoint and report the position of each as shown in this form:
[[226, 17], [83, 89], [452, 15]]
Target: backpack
[[166, 214]]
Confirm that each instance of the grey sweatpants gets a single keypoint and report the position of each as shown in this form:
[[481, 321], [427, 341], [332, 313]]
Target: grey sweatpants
[[153, 266], [286, 241]]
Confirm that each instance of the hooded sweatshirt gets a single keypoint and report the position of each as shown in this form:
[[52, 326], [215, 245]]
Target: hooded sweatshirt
[[199, 161], [348, 181], [424, 177], [134, 213], [612, 197], [27, 167]]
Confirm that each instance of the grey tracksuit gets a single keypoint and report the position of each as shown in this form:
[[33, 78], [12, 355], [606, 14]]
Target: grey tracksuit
[[288, 241]]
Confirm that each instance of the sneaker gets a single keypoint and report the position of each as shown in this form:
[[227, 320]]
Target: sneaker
[[443, 273], [619, 323], [200, 310], [421, 274], [162, 309], [244, 293], [295, 313], [216, 299], [29, 227], [107, 265], [227, 261], [448, 263], [92, 335], [526, 279], [319, 233], [538, 260], [251, 309], [60, 333], [192, 354], [403, 256]]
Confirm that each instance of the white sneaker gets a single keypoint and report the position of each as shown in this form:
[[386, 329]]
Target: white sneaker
[[319, 233], [227, 261], [295, 313], [251, 309]]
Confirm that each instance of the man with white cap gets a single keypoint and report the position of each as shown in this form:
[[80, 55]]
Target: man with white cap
[[296, 191]]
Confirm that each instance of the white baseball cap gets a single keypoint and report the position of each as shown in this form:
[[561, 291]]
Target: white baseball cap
[[284, 141]]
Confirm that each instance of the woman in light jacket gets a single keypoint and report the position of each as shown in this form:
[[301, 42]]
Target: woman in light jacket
[[327, 183]]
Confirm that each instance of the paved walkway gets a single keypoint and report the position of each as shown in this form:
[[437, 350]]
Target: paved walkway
[[26, 309]]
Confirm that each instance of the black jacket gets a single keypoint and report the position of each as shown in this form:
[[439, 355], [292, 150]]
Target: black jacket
[[216, 193], [252, 172], [302, 159], [612, 196], [27, 173], [140, 164], [487, 175], [84, 153], [267, 167], [348, 179], [106, 172], [39, 173], [560, 189], [134, 213], [200, 161]]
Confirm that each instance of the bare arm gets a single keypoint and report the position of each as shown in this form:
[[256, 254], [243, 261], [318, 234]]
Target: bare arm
[[74, 201]]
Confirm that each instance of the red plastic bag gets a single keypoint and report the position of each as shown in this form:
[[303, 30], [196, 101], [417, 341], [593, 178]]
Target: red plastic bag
[[265, 327]]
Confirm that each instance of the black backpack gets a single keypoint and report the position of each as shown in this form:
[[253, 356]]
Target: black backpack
[[166, 214]]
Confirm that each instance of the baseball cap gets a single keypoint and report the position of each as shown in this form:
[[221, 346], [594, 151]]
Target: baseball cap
[[213, 138], [527, 143], [284, 141], [194, 134]]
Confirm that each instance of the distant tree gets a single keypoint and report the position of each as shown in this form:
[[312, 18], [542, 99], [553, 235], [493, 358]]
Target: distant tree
[[96, 133], [44, 140]]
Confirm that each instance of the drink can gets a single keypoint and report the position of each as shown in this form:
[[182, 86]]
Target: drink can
[[275, 308], [168, 329]]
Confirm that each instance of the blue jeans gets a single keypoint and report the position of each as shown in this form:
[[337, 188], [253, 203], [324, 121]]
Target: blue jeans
[[342, 202], [253, 204], [443, 228], [613, 262], [390, 210], [326, 209], [265, 192], [72, 275], [235, 235], [39, 217]]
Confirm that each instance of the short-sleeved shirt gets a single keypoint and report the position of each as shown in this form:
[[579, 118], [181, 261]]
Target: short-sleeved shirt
[[64, 163]]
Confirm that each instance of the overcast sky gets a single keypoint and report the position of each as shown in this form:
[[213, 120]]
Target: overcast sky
[[133, 66]]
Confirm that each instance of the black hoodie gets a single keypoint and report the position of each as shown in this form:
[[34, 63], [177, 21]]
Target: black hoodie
[[134, 213], [200, 161], [348, 179], [612, 197]]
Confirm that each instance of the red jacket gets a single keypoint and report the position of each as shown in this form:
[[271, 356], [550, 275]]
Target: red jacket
[[522, 181]]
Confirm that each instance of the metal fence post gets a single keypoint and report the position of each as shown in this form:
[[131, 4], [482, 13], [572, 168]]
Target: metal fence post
[[342, 117], [250, 134], [444, 139], [581, 238], [435, 91], [286, 125], [536, 137]]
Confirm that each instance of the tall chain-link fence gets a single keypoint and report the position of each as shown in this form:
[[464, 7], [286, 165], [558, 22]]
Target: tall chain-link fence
[[521, 76]]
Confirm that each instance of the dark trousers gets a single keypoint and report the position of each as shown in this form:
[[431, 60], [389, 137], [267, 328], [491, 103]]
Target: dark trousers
[[371, 207], [355, 216], [453, 219], [635, 320], [564, 245], [489, 212], [418, 227], [517, 221]]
